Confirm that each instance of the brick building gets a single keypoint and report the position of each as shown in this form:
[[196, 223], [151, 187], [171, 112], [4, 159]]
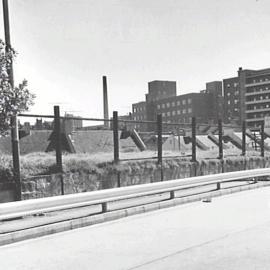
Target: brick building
[[206, 106]]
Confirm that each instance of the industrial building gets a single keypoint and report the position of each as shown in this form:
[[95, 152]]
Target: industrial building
[[244, 97], [206, 106]]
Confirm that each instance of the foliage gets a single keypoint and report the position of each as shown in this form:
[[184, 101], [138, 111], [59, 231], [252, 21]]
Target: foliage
[[12, 100]]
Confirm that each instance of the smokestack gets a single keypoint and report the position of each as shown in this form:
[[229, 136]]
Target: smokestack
[[105, 102]]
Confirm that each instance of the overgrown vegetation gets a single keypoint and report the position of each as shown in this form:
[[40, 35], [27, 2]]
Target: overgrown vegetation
[[44, 163]]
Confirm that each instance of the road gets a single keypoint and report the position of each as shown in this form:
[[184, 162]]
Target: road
[[231, 232]]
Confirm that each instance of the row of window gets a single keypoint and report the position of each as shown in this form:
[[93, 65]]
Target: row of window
[[177, 112], [257, 115], [229, 85], [236, 93], [174, 103], [259, 80], [255, 89], [236, 101], [139, 109], [258, 98], [179, 120], [139, 117], [259, 107]]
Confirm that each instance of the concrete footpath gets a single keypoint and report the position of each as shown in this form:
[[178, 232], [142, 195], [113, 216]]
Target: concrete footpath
[[231, 232]]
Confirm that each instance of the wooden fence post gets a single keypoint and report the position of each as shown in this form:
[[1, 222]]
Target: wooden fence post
[[115, 137], [244, 138], [193, 139], [58, 145], [262, 139], [220, 142], [159, 143], [16, 156]]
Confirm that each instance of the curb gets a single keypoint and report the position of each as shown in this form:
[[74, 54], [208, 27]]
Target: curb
[[62, 226]]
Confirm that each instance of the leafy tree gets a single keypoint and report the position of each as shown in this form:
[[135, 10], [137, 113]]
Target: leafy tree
[[12, 100]]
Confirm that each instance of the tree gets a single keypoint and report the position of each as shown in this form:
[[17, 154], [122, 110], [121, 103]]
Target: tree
[[12, 100]]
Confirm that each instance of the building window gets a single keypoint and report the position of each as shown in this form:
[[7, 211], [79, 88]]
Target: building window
[[229, 102], [228, 94], [184, 111], [168, 113], [228, 85], [189, 101], [163, 114], [184, 102], [235, 101], [168, 105], [173, 112], [189, 110], [163, 105], [178, 111], [158, 106], [173, 104], [178, 103], [235, 84]]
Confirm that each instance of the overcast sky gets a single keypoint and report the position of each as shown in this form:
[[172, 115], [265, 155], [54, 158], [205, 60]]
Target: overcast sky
[[66, 46]]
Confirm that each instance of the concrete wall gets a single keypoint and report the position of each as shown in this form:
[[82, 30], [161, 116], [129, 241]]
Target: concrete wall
[[134, 173]]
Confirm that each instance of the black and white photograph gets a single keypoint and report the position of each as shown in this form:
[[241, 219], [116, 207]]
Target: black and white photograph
[[134, 135]]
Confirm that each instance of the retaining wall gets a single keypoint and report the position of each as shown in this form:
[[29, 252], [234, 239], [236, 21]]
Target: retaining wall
[[133, 173]]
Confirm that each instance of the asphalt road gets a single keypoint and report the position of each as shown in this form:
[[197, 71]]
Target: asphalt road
[[231, 232]]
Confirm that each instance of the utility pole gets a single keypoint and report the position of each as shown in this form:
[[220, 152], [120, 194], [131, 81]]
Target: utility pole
[[7, 40], [14, 120]]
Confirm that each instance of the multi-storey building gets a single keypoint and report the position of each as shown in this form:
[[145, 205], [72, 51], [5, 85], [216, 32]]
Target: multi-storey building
[[217, 103], [162, 98], [232, 105], [247, 97], [139, 114], [256, 88], [180, 109]]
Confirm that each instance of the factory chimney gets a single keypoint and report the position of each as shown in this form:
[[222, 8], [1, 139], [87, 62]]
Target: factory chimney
[[105, 102]]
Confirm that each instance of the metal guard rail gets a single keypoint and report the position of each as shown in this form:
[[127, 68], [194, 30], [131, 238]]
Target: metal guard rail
[[56, 203]]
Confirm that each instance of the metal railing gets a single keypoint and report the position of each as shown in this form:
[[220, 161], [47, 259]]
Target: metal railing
[[103, 197]]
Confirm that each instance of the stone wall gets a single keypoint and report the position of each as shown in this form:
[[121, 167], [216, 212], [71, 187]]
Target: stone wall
[[134, 173]]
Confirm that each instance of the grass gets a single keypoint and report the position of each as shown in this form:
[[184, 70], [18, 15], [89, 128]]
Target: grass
[[45, 163]]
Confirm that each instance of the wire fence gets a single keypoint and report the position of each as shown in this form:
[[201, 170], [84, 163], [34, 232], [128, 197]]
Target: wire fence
[[179, 133]]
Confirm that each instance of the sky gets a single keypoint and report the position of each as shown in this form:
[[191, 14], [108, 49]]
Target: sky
[[65, 47]]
